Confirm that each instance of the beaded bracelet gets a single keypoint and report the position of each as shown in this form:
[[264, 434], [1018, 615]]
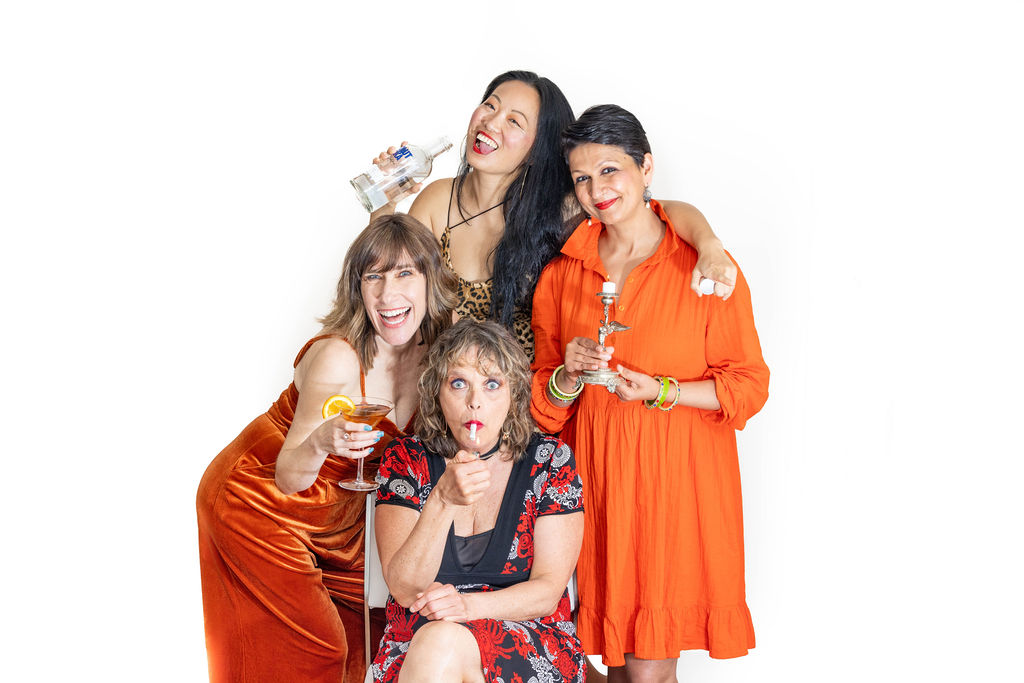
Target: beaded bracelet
[[675, 400], [558, 393], [662, 393]]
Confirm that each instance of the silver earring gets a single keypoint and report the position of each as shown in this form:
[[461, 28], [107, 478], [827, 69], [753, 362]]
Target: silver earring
[[647, 196]]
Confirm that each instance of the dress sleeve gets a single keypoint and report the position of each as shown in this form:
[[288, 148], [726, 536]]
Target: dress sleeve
[[403, 475], [562, 489], [549, 349], [733, 354]]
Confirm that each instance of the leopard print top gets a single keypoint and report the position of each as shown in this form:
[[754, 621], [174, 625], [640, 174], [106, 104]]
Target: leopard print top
[[475, 299]]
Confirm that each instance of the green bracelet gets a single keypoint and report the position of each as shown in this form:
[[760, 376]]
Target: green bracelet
[[558, 393], [675, 400], [661, 394]]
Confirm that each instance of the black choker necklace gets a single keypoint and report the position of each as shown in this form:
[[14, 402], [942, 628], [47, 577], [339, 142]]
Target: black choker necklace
[[492, 451]]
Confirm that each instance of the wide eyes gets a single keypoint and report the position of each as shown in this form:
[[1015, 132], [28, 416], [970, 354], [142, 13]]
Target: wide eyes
[[458, 384]]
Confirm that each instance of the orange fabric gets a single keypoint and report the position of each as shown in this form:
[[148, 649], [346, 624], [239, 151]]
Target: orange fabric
[[282, 575], [661, 568]]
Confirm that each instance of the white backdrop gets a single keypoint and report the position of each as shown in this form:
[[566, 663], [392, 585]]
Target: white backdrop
[[175, 208]]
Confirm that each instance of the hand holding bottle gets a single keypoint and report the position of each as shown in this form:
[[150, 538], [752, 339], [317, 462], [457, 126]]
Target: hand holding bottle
[[397, 173]]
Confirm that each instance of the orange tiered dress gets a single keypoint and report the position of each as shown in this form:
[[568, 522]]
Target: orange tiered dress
[[661, 568], [282, 575]]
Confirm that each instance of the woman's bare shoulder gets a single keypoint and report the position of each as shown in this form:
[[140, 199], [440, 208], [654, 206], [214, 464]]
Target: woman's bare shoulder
[[330, 360], [431, 205]]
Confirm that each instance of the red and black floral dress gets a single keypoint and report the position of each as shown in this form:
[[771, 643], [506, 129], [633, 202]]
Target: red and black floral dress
[[543, 482]]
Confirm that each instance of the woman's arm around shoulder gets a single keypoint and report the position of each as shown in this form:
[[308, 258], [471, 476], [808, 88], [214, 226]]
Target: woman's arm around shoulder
[[329, 367], [712, 261]]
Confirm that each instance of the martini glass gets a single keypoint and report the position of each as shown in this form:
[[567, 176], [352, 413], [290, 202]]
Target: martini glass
[[365, 410]]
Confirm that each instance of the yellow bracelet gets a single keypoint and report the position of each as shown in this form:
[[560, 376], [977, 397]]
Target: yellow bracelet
[[662, 393], [675, 400], [558, 393]]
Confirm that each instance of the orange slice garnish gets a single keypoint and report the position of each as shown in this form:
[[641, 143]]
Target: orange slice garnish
[[339, 403]]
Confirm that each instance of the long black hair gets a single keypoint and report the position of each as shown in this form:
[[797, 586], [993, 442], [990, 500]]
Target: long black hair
[[534, 225]]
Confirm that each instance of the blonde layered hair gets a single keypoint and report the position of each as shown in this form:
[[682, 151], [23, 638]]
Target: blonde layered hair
[[385, 243], [494, 348]]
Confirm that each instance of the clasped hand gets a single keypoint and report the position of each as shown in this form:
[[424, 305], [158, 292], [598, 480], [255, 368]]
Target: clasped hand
[[441, 602]]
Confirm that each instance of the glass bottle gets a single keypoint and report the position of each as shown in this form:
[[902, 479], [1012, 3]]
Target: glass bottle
[[393, 180]]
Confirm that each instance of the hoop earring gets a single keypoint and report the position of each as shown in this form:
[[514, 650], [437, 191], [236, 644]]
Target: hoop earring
[[647, 196], [523, 184]]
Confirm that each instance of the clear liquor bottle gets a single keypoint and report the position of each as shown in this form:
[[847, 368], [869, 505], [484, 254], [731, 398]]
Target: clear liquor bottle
[[393, 180]]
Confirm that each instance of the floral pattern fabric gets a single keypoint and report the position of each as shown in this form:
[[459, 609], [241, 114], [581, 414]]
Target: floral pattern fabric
[[543, 482]]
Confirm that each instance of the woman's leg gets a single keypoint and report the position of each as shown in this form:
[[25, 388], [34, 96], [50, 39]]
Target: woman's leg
[[442, 651], [644, 671], [268, 615]]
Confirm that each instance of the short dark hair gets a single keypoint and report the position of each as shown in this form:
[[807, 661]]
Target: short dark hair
[[382, 245], [608, 124], [494, 346]]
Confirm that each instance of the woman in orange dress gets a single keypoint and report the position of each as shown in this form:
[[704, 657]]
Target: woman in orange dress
[[280, 543], [661, 568]]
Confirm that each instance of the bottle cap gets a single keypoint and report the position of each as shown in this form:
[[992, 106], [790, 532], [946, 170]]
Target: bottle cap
[[438, 146]]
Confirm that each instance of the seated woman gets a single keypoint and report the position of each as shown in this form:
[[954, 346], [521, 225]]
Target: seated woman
[[280, 543], [478, 524]]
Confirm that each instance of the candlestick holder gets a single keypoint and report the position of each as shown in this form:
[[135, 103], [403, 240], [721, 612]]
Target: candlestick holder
[[605, 377]]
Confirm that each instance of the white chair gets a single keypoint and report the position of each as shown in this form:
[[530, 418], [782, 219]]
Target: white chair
[[375, 590]]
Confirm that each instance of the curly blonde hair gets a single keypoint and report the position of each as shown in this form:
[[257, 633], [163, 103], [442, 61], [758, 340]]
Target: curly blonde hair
[[494, 347]]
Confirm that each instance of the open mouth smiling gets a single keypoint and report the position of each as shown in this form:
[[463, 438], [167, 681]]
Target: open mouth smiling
[[484, 144], [394, 317]]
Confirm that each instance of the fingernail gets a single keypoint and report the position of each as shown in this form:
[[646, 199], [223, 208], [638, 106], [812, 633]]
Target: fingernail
[[367, 428]]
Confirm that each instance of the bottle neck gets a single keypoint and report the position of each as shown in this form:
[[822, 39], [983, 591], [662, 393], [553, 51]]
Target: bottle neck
[[436, 147]]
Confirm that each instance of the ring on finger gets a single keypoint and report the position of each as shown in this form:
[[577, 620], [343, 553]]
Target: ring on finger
[[345, 436]]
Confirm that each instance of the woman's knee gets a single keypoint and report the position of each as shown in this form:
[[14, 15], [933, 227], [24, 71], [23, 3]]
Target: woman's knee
[[443, 650]]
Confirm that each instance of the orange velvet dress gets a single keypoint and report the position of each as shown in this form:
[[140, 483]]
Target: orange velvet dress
[[282, 575], [661, 568]]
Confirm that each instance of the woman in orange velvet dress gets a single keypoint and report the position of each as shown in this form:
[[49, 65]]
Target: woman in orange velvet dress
[[280, 543], [661, 569]]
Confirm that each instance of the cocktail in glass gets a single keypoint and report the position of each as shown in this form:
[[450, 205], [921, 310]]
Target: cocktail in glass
[[365, 410]]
